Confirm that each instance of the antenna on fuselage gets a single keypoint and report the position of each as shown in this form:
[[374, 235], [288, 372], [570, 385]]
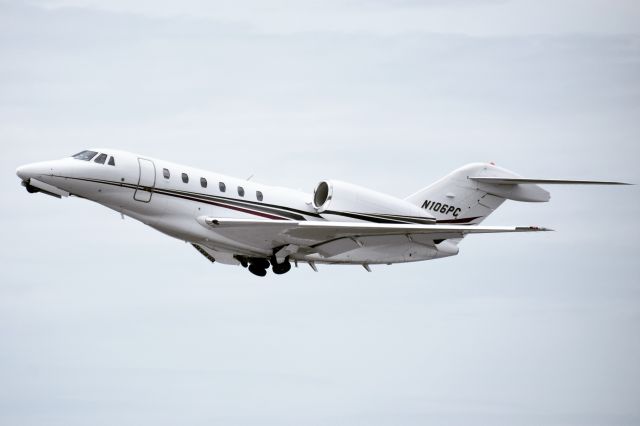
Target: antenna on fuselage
[[249, 178]]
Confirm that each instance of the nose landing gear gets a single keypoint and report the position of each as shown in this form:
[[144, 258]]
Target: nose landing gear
[[31, 189]]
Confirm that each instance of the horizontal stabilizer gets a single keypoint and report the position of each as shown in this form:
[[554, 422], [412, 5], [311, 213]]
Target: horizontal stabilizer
[[523, 181]]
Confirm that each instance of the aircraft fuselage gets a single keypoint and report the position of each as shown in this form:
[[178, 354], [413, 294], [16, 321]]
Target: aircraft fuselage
[[173, 199]]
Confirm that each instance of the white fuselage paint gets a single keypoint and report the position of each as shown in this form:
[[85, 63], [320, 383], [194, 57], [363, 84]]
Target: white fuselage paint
[[136, 187]]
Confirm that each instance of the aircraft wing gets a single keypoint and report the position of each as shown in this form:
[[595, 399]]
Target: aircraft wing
[[309, 234]]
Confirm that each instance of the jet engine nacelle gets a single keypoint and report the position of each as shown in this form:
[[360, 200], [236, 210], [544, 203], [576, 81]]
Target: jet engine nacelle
[[348, 201]]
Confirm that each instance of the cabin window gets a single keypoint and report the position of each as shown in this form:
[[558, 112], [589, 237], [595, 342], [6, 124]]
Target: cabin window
[[112, 161], [100, 159], [241, 191], [166, 173], [185, 178], [259, 196], [222, 187], [85, 155], [203, 182]]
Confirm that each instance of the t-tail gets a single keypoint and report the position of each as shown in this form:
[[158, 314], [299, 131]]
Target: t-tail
[[471, 193]]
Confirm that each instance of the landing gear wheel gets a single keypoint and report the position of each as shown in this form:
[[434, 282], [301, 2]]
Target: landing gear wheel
[[31, 189], [242, 260], [257, 270], [281, 268], [259, 262]]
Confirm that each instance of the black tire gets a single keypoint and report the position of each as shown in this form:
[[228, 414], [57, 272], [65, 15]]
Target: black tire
[[32, 189], [281, 268], [259, 262], [257, 270]]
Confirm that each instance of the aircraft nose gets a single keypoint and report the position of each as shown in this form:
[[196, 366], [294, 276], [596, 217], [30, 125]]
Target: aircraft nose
[[24, 172], [32, 170]]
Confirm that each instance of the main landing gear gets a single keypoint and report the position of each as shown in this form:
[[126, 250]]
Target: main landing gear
[[258, 266], [280, 268], [256, 269]]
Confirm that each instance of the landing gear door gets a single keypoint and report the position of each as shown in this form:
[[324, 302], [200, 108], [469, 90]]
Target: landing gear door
[[146, 181]]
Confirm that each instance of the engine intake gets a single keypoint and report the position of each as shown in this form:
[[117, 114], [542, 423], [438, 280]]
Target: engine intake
[[321, 194]]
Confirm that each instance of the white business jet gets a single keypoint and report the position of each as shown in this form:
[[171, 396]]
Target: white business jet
[[239, 222]]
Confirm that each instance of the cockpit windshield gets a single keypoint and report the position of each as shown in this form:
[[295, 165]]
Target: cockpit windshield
[[85, 155]]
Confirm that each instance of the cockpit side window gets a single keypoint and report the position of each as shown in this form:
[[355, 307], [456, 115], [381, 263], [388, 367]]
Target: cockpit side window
[[112, 161], [85, 155], [100, 159]]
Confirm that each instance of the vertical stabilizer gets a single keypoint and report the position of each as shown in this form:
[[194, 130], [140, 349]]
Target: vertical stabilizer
[[457, 198]]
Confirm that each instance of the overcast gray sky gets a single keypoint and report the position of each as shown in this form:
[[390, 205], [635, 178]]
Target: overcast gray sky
[[104, 321]]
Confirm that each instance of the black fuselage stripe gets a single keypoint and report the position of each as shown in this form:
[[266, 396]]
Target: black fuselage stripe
[[224, 202], [271, 211], [228, 206], [461, 221], [276, 210], [403, 219], [360, 216]]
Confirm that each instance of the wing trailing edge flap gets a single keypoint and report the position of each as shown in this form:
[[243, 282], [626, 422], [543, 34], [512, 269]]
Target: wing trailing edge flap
[[312, 236], [345, 244]]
